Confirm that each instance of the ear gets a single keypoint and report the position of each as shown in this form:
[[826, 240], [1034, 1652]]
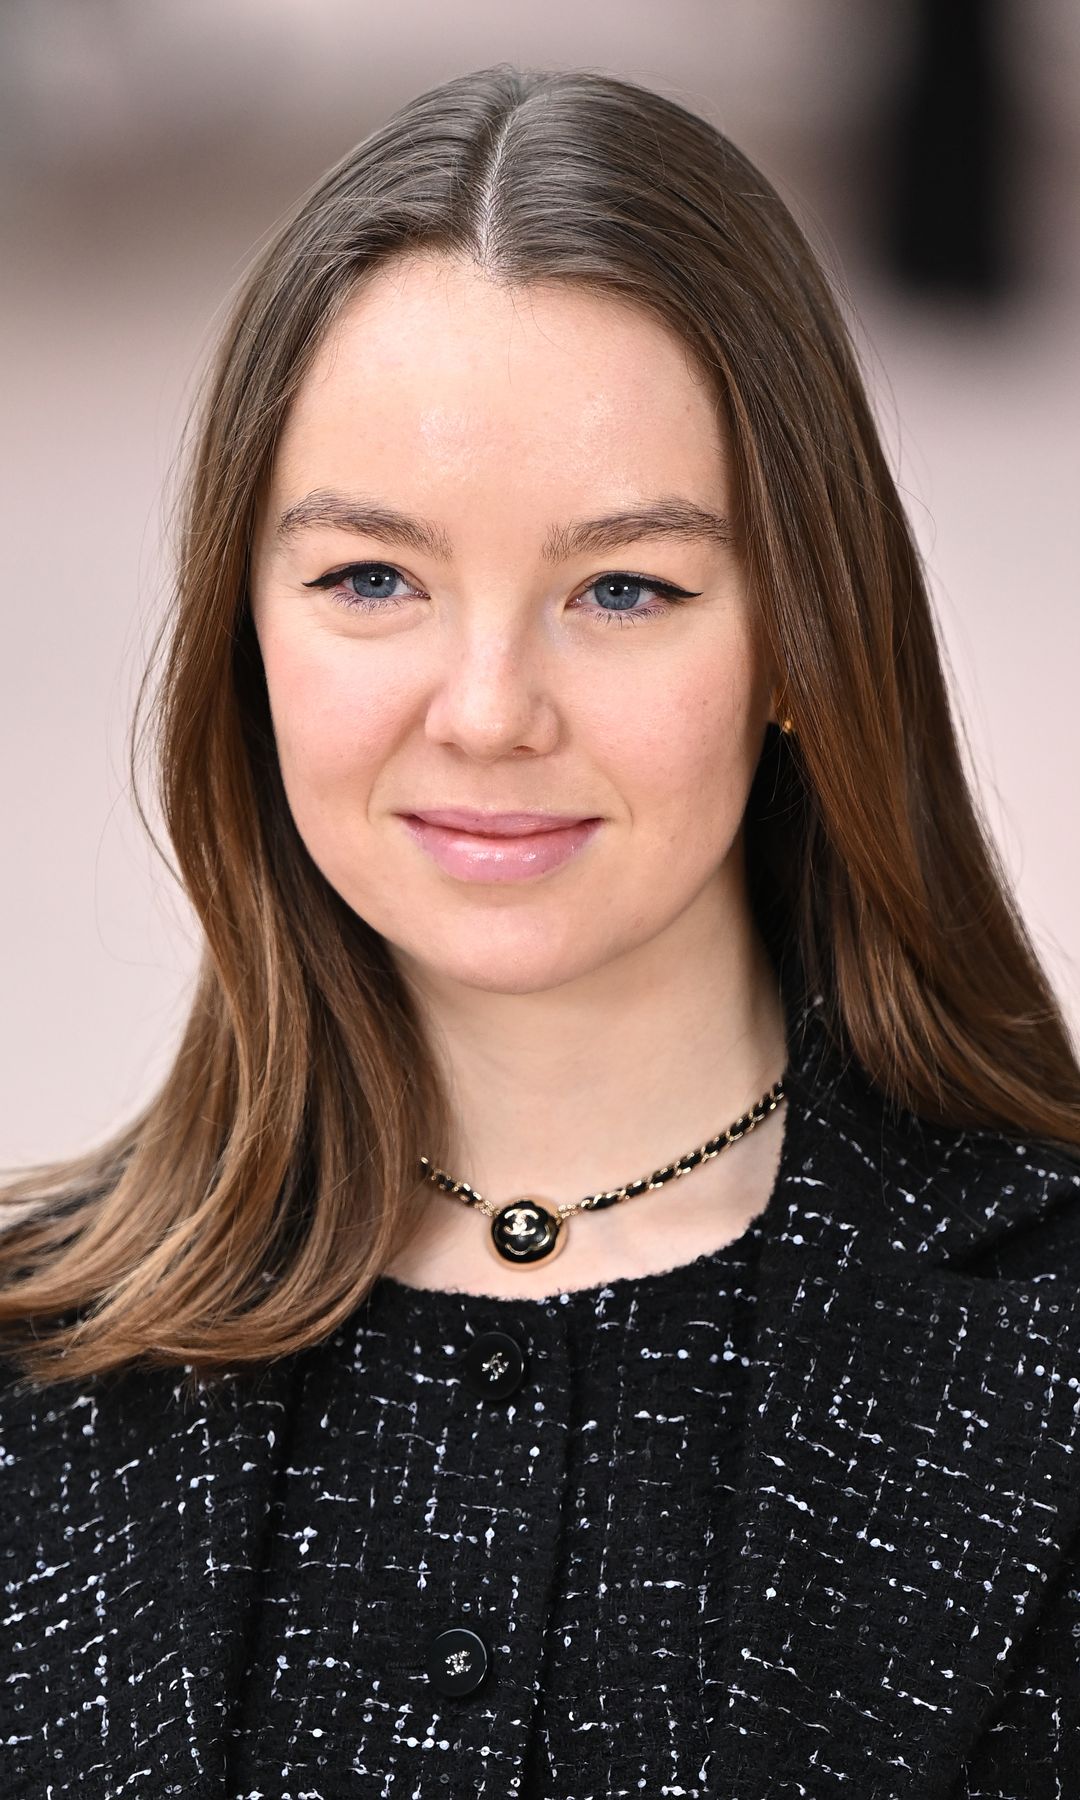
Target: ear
[[777, 703], [774, 690]]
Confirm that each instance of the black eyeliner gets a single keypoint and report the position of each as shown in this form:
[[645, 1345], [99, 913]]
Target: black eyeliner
[[334, 576]]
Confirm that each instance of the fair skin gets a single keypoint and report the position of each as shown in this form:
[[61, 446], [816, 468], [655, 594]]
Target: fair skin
[[607, 1016]]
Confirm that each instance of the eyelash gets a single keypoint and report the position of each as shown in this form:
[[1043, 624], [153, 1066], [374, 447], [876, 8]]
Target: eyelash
[[367, 603]]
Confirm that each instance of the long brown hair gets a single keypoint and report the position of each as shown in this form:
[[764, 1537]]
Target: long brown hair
[[251, 1204]]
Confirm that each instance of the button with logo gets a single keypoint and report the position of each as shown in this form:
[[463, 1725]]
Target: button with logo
[[457, 1660], [493, 1365]]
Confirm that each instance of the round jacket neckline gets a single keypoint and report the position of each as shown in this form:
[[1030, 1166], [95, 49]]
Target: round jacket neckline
[[651, 1285]]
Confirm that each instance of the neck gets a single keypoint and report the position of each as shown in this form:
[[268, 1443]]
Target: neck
[[582, 1087]]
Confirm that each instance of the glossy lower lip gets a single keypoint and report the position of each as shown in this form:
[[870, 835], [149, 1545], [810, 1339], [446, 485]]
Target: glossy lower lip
[[471, 857]]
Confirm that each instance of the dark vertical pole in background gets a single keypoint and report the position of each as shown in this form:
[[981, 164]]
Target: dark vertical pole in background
[[948, 152]]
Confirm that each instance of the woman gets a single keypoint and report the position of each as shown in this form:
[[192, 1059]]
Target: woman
[[592, 1309]]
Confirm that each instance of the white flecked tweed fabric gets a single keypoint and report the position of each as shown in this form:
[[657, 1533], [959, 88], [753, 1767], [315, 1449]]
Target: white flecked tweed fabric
[[799, 1518]]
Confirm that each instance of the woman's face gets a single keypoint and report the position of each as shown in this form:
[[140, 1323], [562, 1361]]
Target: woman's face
[[481, 651]]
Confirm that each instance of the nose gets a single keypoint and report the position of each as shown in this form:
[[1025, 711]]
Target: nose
[[494, 697]]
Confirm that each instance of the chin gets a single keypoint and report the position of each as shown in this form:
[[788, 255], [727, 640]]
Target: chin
[[535, 965]]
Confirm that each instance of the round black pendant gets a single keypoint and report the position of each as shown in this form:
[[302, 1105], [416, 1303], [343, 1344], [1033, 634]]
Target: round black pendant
[[524, 1231]]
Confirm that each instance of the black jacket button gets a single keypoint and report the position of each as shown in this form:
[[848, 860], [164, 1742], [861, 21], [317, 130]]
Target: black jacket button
[[493, 1365], [457, 1660]]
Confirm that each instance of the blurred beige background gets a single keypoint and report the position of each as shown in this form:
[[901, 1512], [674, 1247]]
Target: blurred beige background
[[145, 152]]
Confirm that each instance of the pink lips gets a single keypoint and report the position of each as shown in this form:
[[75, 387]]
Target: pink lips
[[499, 847], [497, 824]]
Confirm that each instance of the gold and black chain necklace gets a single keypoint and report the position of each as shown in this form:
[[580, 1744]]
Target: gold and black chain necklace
[[528, 1230]]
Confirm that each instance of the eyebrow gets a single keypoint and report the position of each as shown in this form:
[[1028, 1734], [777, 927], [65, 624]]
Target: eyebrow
[[672, 518]]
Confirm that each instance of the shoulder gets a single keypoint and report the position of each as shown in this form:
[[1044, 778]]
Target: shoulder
[[1007, 1206], [982, 1199], [1030, 1200]]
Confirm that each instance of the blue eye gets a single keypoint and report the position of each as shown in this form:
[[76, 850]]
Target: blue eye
[[380, 577], [623, 613], [366, 587]]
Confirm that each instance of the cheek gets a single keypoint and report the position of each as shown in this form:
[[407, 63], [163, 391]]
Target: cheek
[[334, 716], [685, 754]]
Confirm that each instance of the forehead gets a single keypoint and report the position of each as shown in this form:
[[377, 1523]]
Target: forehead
[[432, 359]]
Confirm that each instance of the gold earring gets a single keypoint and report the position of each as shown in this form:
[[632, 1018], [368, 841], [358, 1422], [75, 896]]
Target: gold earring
[[787, 724]]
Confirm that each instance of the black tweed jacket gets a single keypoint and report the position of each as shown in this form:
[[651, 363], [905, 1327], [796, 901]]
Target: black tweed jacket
[[905, 1569]]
